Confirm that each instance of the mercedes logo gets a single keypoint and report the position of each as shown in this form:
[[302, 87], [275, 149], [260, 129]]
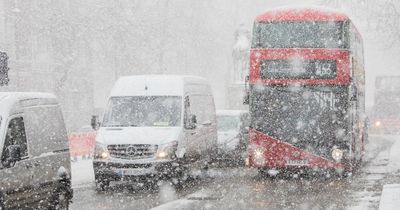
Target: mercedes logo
[[131, 151]]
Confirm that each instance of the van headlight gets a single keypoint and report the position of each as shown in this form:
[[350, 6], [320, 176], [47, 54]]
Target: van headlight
[[101, 151], [167, 151], [378, 123], [337, 154]]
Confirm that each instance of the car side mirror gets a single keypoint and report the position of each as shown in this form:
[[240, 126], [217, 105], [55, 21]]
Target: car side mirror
[[13, 155], [94, 122]]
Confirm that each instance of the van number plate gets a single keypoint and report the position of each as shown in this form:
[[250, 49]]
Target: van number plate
[[297, 162], [133, 172]]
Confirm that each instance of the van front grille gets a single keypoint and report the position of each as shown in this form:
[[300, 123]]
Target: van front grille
[[132, 151]]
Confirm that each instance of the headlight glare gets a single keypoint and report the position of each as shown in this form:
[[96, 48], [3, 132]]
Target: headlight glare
[[258, 152], [337, 154], [101, 151], [167, 150]]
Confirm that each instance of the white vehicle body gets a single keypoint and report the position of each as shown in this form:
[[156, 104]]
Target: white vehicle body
[[228, 129], [32, 123], [149, 124]]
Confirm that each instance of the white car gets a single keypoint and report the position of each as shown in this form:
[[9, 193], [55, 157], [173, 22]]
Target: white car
[[232, 135]]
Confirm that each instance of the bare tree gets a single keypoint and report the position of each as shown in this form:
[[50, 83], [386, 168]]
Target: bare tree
[[381, 18]]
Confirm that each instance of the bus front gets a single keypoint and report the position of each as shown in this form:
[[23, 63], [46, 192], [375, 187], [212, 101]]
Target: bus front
[[300, 92]]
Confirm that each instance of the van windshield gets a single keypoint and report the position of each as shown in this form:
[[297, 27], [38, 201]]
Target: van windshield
[[143, 111]]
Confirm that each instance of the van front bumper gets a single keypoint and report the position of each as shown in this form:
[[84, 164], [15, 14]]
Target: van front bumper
[[115, 170]]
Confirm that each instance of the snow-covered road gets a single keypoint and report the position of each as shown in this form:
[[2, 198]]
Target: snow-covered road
[[245, 189]]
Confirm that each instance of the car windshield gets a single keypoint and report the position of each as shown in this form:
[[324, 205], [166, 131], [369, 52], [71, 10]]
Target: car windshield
[[298, 34], [144, 111], [227, 122], [302, 116]]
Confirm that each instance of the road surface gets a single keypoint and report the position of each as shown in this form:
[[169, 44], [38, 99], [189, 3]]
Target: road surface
[[243, 188]]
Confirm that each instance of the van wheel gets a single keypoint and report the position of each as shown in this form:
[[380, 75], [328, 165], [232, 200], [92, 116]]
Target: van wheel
[[62, 196], [102, 184], [180, 177]]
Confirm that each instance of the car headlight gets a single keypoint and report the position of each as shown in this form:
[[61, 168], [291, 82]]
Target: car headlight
[[167, 151], [101, 151], [337, 154], [378, 123]]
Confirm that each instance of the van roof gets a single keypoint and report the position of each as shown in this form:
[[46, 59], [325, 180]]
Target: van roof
[[141, 85], [9, 99]]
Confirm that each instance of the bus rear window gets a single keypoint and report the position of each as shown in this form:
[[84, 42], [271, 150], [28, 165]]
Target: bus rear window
[[299, 34]]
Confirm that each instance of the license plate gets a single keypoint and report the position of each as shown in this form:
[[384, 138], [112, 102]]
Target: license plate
[[297, 162], [133, 172]]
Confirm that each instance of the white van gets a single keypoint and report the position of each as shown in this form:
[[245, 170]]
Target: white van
[[35, 162], [155, 125]]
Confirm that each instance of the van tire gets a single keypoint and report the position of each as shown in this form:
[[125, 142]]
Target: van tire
[[102, 184], [180, 177], [62, 196]]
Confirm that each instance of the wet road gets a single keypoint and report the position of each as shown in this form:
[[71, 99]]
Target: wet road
[[245, 189]]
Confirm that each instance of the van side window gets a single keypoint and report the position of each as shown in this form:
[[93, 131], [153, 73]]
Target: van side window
[[16, 136], [202, 107]]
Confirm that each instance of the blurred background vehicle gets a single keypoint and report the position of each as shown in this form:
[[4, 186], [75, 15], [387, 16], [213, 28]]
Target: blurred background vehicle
[[232, 136], [385, 116]]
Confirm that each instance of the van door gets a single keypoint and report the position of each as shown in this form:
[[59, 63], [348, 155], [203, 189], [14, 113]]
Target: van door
[[202, 106], [46, 131], [16, 177], [192, 146]]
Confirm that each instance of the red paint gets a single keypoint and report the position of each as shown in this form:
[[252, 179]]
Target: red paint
[[301, 14], [276, 154], [340, 55]]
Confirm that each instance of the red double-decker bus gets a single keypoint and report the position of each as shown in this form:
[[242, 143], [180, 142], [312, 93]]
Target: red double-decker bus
[[306, 91]]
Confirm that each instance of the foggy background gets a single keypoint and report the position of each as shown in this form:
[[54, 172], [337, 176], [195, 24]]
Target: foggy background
[[77, 49]]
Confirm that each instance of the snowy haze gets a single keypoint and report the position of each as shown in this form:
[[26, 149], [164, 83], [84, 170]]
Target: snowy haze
[[77, 49]]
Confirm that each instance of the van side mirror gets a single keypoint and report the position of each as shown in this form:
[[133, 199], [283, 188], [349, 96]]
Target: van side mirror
[[246, 98], [12, 155], [246, 130], [192, 122], [94, 122]]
